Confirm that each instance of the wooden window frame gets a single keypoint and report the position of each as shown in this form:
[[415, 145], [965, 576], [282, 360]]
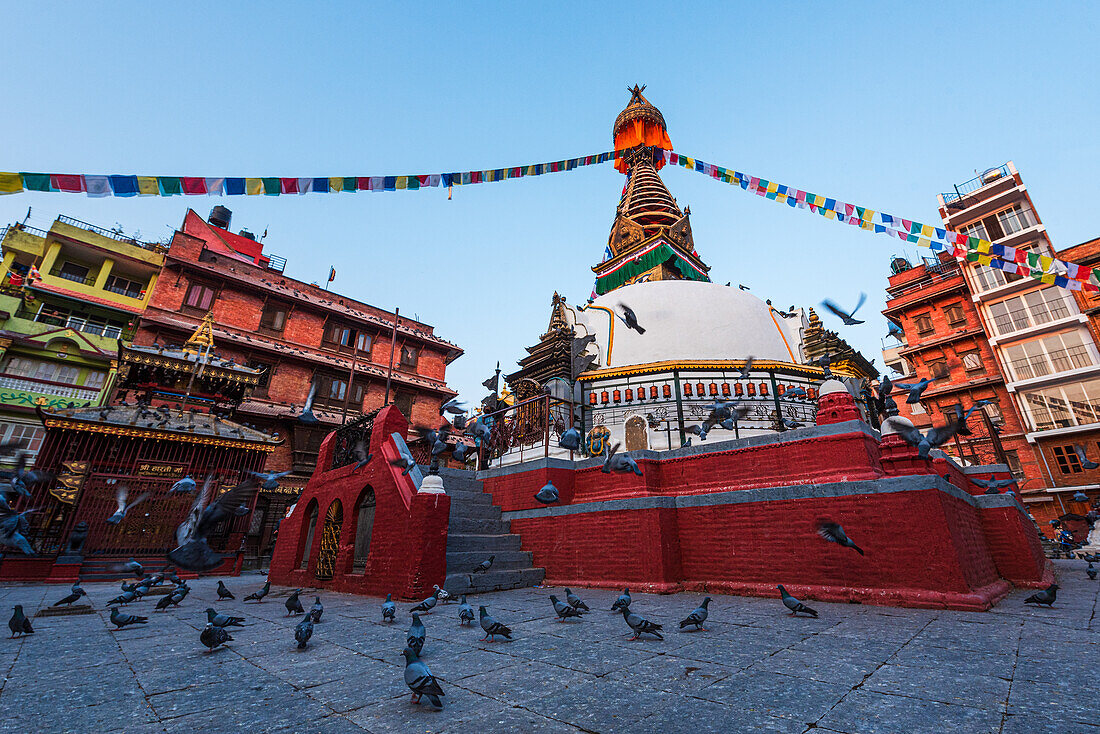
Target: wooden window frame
[[274, 307], [192, 285]]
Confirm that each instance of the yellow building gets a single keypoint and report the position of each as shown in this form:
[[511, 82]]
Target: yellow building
[[67, 297]]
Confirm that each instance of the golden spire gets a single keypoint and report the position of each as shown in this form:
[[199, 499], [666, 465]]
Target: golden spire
[[203, 338]]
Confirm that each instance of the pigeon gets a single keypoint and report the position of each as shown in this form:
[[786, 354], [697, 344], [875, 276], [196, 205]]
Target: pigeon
[[405, 463], [169, 598], [306, 417], [571, 440], [492, 627], [121, 494], [1080, 497], [415, 636], [743, 373], [564, 610], [452, 406], [270, 479], [466, 613], [14, 528], [1085, 461], [194, 552], [317, 609], [847, 318], [77, 592], [222, 620], [619, 463], [426, 605], [698, 616], [794, 604], [575, 601], [798, 392], [420, 680], [303, 631], [641, 625], [461, 452], [124, 598], [893, 330], [19, 478], [1091, 572], [389, 609], [622, 602], [212, 636], [1046, 596], [443, 595], [224, 593], [293, 605], [630, 319], [548, 495], [259, 595], [925, 442], [960, 416], [993, 484], [19, 624], [833, 533], [484, 566], [120, 620], [183, 486], [790, 424], [915, 389]]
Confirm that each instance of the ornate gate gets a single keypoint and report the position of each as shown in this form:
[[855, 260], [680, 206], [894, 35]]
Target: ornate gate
[[330, 541]]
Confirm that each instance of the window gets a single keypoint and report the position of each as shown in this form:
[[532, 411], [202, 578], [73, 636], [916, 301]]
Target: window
[[273, 318], [1012, 456], [1063, 406], [41, 370], [976, 229], [924, 324], [987, 277], [332, 391], [404, 403], [972, 361], [94, 379], [993, 410], [345, 338], [73, 272], [199, 296], [938, 369], [1040, 357], [31, 436], [409, 356], [1037, 307], [1067, 460], [1016, 218], [955, 314], [124, 286]]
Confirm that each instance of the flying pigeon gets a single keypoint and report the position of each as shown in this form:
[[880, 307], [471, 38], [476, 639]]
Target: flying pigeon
[[317, 609], [405, 463], [575, 601], [303, 631], [426, 605], [484, 566], [848, 318], [1046, 596], [452, 406], [224, 593], [14, 528], [794, 604], [564, 610], [630, 319], [270, 479], [994, 484], [641, 625], [20, 479], [548, 495], [120, 620], [743, 374], [1085, 461], [223, 620], [306, 417], [964, 430], [389, 609], [460, 452], [19, 624], [465, 613], [492, 627], [698, 616], [183, 486], [571, 440], [925, 442], [77, 592], [420, 680], [893, 330], [415, 636], [619, 463], [1080, 497], [121, 495], [194, 552], [622, 602], [212, 636], [915, 389], [443, 595], [833, 533], [259, 595], [293, 604], [1091, 572]]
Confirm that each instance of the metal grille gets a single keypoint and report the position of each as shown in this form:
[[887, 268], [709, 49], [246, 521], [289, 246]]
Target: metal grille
[[330, 541], [343, 446]]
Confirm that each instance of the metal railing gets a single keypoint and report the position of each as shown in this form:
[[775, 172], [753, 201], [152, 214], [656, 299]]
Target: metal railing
[[969, 187], [45, 387], [123, 292], [114, 235], [276, 263], [85, 280], [527, 425], [75, 322], [22, 228]]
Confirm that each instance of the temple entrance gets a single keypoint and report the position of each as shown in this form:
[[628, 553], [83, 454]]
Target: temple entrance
[[330, 541], [364, 526], [636, 434]]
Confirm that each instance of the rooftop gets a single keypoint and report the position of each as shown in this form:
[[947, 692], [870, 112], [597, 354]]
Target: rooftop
[[164, 422]]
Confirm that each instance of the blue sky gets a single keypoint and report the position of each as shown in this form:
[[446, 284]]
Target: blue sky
[[879, 106]]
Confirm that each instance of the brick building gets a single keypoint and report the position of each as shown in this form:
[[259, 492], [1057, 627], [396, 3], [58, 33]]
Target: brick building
[[299, 335]]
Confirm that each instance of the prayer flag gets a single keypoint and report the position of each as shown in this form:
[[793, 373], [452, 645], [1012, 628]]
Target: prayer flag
[[169, 185], [254, 186], [67, 183], [234, 186], [148, 186], [193, 186], [10, 183], [97, 186], [272, 186], [124, 185], [215, 186]]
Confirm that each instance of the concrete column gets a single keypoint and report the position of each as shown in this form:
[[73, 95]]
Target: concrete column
[[104, 273], [50, 258]]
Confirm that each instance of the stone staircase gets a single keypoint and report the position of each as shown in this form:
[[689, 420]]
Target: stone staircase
[[477, 531]]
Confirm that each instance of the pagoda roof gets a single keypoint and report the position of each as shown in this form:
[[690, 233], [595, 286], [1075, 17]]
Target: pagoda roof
[[177, 358]]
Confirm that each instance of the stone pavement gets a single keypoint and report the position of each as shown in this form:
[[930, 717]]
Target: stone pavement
[[856, 669]]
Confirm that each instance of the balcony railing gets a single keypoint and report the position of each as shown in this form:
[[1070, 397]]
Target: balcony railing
[[82, 279], [276, 263], [1062, 360], [118, 236], [976, 183], [46, 387], [78, 324], [123, 292]]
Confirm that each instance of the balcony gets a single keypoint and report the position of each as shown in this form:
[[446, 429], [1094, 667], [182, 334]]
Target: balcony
[[82, 279], [1063, 360], [43, 387], [114, 235], [77, 323]]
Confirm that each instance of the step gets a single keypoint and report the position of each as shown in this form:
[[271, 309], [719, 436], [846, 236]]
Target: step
[[461, 583], [469, 498], [466, 561], [462, 543], [476, 526], [486, 512]]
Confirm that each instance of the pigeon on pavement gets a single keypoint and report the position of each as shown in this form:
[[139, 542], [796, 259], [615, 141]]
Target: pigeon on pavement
[[317, 609], [794, 604], [564, 610], [698, 616], [77, 592], [443, 595], [293, 604], [389, 609], [420, 680], [124, 598], [641, 625], [833, 533], [465, 613], [415, 636], [426, 605], [1046, 596], [575, 601], [19, 624], [622, 602], [303, 631], [259, 595], [222, 620], [492, 627], [224, 593], [212, 636], [120, 620]]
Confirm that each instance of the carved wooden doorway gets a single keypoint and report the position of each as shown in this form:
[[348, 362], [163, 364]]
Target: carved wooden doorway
[[636, 434], [330, 541]]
